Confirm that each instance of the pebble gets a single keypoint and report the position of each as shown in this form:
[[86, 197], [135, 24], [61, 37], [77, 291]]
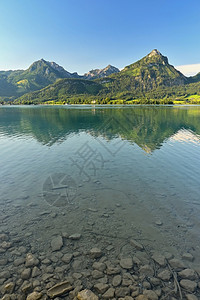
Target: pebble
[[59, 289], [3, 261], [126, 281], [45, 277], [159, 223], [95, 253], [19, 261], [26, 287], [6, 245], [176, 264], [75, 236], [73, 293], [3, 237], [57, 243], [101, 287], [97, 274], [155, 281], [146, 285], [9, 287], [188, 285], [126, 263], [5, 275], [141, 297], [103, 279], [109, 248], [164, 275], [86, 295], [159, 259], [135, 292], [26, 273], [188, 256], [116, 280], [187, 274], [36, 283], [35, 272], [136, 245], [77, 265], [136, 261], [151, 295], [113, 270], [34, 296], [31, 261], [158, 292], [46, 261], [67, 258], [191, 297], [109, 294], [147, 270], [122, 291], [99, 266]]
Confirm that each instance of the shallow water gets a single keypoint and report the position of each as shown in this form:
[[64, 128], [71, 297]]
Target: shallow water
[[107, 173]]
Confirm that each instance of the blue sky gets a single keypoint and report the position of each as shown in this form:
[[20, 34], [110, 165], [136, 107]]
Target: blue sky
[[84, 34]]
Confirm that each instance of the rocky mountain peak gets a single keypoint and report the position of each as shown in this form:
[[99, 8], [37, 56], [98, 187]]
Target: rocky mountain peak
[[154, 52], [99, 73], [56, 67]]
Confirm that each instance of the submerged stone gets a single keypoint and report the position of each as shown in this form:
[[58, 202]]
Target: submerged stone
[[147, 270], [86, 295], [116, 280], [164, 275], [187, 274], [188, 256], [176, 264], [136, 245], [9, 287], [188, 285], [75, 236], [31, 260], [67, 258], [95, 253], [57, 243], [150, 294], [126, 263], [59, 289], [159, 259], [101, 287], [34, 296], [191, 297], [99, 266], [109, 294]]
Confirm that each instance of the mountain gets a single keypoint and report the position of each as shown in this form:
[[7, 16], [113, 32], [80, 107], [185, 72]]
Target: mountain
[[40, 74], [62, 90], [146, 74], [150, 80], [195, 78], [99, 73]]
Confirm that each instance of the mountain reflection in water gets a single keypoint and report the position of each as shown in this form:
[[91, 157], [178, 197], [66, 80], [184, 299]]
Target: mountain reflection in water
[[148, 127]]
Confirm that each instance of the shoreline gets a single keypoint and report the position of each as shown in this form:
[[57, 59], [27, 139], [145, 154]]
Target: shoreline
[[103, 105]]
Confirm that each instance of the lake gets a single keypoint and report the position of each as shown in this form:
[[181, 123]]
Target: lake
[[125, 180]]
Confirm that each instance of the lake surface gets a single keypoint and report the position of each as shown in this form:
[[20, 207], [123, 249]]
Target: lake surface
[[110, 174]]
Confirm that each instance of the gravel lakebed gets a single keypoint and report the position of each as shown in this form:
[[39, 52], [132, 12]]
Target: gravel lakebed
[[84, 252]]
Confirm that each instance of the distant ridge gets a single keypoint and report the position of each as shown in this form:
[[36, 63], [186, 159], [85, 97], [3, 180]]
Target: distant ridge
[[99, 73]]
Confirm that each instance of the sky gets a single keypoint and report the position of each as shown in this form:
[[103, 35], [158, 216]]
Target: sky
[[81, 35]]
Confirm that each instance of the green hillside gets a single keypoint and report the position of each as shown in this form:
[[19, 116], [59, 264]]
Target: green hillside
[[40, 74], [62, 90], [146, 74]]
